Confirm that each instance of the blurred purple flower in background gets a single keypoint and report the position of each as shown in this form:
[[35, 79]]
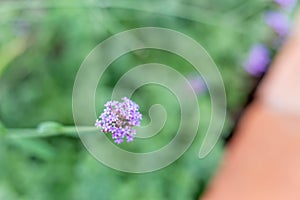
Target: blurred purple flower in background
[[119, 118], [278, 21], [197, 83], [21, 27], [258, 60], [287, 4]]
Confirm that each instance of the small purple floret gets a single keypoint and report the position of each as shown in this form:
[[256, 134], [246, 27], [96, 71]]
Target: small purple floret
[[258, 60], [279, 22], [197, 83], [119, 118]]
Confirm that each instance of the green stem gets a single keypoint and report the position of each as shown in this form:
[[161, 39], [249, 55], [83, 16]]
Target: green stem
[[71, 131]]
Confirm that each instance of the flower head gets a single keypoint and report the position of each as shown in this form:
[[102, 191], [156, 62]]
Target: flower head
[[288, 4], [278, 21], [119, 118], [258, 60]]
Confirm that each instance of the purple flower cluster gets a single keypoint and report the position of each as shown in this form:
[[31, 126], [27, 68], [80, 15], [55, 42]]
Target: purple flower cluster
[[119, 118], [258, 60]]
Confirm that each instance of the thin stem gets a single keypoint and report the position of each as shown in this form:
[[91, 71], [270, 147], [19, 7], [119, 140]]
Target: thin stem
[[71, 131]]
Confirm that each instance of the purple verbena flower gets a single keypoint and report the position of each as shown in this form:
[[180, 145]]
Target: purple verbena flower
[[278, 21], [258, 60], [287, 4], [197, 83], [119, 118], [118, 140]]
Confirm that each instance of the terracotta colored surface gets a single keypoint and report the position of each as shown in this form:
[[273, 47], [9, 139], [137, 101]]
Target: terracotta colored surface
[[263, 159]]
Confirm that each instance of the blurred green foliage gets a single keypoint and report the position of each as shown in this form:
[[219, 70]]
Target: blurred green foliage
[[42, 45]]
